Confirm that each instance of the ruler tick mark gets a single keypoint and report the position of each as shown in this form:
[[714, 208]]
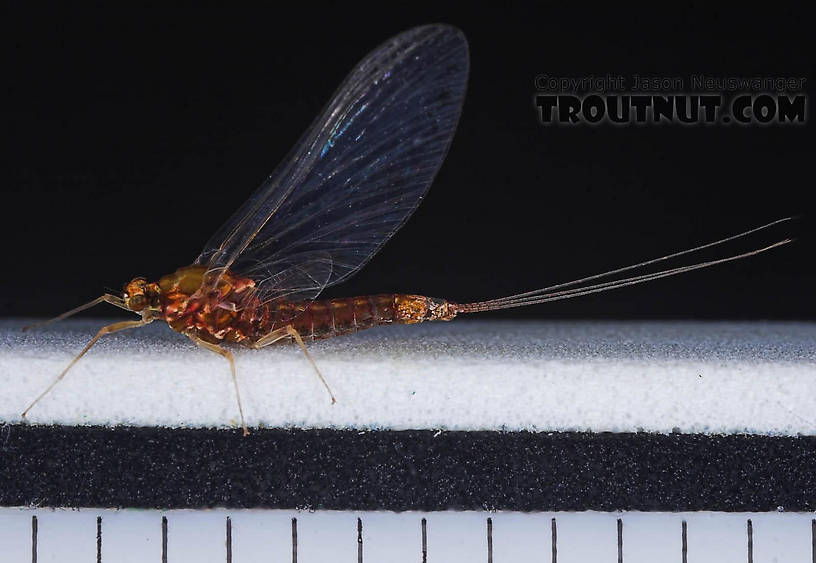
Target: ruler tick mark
[[813, 540], [34, 539], [359, 540], [620, 540], [489, 540], [684, 546], [164, 539], [98, 539], [294, 540], [750, 541], [425, 540], [554, 541], [229, 539]]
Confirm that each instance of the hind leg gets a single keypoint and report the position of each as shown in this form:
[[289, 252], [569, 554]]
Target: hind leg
[[289, 331]]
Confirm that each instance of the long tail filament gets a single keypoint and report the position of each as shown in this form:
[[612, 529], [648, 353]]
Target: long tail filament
[[558, 292]]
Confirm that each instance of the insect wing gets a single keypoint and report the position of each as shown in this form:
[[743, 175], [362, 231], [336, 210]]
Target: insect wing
[[357, 173]]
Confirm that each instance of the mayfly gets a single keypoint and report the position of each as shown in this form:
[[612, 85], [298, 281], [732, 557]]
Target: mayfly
[[347, 186]]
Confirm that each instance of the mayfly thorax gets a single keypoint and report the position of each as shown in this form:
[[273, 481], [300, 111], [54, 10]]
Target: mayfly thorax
[[349, 184]]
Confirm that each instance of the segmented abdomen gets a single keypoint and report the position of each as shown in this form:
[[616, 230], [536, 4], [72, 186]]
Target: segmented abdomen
[[233, 313], [334, 317]]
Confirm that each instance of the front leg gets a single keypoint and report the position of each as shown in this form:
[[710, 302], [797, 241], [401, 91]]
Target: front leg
[[228, 355], [115, 327], [106, 298]]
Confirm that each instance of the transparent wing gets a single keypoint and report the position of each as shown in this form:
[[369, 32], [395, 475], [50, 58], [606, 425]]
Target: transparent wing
[[356, 174]]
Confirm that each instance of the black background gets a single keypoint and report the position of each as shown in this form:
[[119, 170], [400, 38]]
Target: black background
[[136, 131]]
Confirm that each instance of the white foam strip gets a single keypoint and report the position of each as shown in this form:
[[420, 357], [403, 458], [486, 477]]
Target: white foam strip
[[718, 377]]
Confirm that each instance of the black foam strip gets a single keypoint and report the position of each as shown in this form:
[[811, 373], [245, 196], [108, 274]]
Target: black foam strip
[[403, 470]]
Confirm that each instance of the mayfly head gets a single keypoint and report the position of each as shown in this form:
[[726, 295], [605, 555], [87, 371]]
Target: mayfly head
[[140, 295]]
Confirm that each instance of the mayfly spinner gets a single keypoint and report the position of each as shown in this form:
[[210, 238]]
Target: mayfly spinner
[[348, 185]]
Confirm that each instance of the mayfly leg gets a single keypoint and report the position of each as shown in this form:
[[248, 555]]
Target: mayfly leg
[[115, 327], [289, 331], [228, 355], [106, 298]]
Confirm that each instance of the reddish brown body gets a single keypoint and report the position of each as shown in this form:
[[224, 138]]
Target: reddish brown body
[[231, 312]]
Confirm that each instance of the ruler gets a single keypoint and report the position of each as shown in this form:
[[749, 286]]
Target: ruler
[[245, 536]]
